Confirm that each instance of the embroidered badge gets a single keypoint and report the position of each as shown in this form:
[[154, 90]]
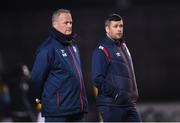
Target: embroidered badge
[[64, 54], [118, 54]]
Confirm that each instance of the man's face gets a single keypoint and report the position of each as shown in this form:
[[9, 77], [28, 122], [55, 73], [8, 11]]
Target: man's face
[[115, 30], [63, 23]]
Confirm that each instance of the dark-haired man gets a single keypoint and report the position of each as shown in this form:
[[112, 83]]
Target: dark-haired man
[[113, 75]]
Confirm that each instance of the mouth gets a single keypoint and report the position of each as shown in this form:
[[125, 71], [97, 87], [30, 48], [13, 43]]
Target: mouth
[[69, 30]]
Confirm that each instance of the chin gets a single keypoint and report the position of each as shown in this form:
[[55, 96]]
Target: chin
[[69, 33], [118, 38]]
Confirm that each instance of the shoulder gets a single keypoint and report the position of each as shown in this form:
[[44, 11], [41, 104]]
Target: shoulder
[[47, 46], [100, 49], [101, 45]]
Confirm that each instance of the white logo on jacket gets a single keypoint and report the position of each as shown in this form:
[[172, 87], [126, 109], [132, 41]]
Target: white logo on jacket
[[118, 54], [64, 54], [101, 47]]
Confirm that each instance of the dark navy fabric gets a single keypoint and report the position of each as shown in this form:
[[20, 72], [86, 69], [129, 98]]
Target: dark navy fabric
[[57, 77], [115, 81], [70, 118], [116, 114]]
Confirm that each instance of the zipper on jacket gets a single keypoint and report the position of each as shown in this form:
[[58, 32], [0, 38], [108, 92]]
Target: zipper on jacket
[[125, 57], [77, 70], [133, 86]]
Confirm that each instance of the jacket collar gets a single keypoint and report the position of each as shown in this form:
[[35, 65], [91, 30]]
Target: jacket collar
[[112, 42], [64, 39]]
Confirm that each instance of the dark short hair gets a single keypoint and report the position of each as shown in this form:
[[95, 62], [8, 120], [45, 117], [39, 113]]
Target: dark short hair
[[112, 17]]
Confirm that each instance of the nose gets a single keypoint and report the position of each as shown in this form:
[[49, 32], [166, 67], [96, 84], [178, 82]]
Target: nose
[[120, 29], [69, 25]]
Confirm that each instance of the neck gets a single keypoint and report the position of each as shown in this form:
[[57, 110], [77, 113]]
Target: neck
[[66, 39], [117, 41]]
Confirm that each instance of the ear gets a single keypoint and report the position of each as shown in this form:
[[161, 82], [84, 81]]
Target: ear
[[54, 24], [107, 29]]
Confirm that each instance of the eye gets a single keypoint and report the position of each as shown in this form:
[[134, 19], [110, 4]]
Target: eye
[[115, 26], [68, 22]]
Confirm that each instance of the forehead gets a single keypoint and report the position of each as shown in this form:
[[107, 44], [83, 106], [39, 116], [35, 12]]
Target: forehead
[[116, 22], [65, 16]]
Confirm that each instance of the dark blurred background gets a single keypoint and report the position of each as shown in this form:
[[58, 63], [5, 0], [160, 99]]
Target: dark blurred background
[[151, 29]]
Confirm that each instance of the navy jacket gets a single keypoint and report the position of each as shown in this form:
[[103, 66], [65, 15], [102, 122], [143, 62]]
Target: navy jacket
[[114, 76], [57, 77]]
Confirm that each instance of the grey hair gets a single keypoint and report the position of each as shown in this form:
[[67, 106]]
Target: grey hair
[[58, 12]]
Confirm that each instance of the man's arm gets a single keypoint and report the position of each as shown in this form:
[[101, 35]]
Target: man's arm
[[39, 74], [100, 64]]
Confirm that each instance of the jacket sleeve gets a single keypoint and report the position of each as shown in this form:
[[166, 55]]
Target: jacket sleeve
[[99, 68], [39, 73], [100, 64]]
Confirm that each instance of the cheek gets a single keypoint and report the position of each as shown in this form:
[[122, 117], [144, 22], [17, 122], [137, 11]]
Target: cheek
[[113, 32], [122, 29], [63, 28]]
